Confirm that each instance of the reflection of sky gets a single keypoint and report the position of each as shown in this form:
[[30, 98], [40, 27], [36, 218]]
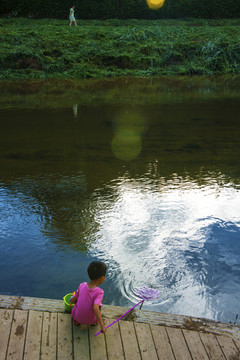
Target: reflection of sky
[[179, 237]]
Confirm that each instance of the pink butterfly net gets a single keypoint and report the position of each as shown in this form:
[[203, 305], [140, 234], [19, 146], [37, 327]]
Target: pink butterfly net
[[144, 293]]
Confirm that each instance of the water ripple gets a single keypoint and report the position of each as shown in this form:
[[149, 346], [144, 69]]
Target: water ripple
[[181, 240]]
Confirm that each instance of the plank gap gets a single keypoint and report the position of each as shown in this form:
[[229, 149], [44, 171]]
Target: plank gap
[[137, 340]]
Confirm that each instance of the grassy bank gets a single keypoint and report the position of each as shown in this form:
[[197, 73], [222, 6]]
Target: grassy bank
[[51, 49]]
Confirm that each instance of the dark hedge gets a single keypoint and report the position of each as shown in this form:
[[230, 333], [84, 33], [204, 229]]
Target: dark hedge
[[121, 9]]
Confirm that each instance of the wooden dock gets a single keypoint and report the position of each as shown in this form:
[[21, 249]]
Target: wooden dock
[[34, 329]]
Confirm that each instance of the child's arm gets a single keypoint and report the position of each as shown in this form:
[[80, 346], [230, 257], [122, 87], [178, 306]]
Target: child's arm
[[98, 315]]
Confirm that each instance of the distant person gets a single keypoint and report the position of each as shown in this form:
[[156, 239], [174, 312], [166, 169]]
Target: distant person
[[71, 16], [88, 298]]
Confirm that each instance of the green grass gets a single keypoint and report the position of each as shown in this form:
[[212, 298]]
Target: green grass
[[51, 49]]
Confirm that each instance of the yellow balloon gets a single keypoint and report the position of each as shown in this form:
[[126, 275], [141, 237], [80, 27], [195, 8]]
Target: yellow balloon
[[155, 4]]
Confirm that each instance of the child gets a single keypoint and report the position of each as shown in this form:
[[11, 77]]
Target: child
[[88, 298], [71, 16]]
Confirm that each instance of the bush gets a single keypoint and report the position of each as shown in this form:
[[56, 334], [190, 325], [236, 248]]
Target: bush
[[122, 9]]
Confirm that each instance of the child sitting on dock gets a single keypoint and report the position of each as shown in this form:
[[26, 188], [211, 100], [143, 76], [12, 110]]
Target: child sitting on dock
[[88, 298]]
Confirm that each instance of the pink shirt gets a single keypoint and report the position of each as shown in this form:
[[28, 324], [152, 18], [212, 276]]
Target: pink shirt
[[82, 311]]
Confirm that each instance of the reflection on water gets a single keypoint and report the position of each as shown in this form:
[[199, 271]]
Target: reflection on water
[[149, 183], [75, 110], [175, 236]]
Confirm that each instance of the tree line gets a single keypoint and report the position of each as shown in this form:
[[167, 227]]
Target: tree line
[[120, 9]]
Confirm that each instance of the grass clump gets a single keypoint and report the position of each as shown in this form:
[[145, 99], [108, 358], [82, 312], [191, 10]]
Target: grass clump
[[51, 49]]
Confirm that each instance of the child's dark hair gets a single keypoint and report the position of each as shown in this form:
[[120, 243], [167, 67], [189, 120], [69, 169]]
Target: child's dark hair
[[96, 270]]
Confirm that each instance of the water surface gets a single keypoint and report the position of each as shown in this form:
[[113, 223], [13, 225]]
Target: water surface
[[142, 174]]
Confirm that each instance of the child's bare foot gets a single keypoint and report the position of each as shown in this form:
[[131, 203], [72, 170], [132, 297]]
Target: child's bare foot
[[76, 323], [94, 324]]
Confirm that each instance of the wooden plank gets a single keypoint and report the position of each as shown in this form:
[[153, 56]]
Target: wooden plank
[[113, 341], [31, 303], [80, 342], [129, 340], [33, 336], [17, 336], [142, 316], [229, 348], [178, 343], [64, 341], [97, 344], [6, 317], [162, 343], [145, 341], [195, 345], [237, 343], [49, 336], [212, 347]]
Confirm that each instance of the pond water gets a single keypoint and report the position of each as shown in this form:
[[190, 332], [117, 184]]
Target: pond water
[[141, 174]]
